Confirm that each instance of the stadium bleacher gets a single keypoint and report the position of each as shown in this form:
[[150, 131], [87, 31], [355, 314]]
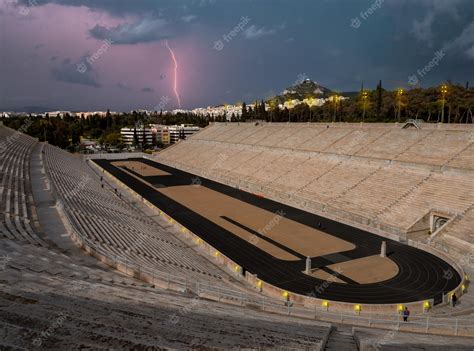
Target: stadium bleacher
[[375, 173], [101, 215], [49, 300], [18, 215], [378, 172]]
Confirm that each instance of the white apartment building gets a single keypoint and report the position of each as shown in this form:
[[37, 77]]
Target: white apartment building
[[158, 133], [182, 131], [127, 135]]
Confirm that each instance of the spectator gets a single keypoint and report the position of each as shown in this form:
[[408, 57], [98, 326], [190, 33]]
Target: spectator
[[454, 300], [406, 314]]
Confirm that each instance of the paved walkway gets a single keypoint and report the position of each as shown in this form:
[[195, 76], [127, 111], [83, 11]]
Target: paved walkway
[[47, 209]]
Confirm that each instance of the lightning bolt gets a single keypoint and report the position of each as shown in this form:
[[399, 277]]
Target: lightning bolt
[[175, 86]]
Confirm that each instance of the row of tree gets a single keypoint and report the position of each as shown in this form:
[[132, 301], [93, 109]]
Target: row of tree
[[66, 131], [379, 105], [454, 105]]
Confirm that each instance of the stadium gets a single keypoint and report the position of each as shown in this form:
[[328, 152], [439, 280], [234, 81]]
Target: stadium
[[321, 234]]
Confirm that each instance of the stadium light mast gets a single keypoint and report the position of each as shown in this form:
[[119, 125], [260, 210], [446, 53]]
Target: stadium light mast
[[444, 91], [365, 95], [399, 97]]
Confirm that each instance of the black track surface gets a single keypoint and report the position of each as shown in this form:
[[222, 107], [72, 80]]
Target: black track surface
[[421, 275]]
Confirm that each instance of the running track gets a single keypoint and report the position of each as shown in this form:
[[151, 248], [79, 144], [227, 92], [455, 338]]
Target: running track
[[421, 275]]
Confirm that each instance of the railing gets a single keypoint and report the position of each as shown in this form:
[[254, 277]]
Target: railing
[[392, 322]]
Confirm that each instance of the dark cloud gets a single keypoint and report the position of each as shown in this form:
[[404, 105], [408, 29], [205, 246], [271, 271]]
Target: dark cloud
[[146, 30], [391, 43], [80, 73]]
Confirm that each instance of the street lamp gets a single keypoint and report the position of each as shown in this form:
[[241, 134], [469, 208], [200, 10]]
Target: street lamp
[[444, 91], [310, 102], [399, 95], [289, 103], [365, 95]]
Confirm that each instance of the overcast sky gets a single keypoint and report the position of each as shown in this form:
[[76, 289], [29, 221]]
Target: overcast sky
[[99, 54]]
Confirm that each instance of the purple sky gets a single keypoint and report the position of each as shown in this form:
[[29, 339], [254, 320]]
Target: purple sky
[[43, 41]]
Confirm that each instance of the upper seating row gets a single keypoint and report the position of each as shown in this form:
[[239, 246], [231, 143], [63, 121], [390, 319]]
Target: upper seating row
[[18, 218]]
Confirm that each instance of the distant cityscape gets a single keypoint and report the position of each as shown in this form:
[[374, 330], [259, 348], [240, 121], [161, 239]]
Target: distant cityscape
[[228, 110]]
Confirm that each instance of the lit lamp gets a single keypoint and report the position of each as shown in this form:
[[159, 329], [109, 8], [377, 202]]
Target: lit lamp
[[357, 308], [325, 304], [399, 94], [199, 241], [463, 287], [183, 229], [444, 91], [289, 103], [426, 306], [335, 100], [259, 285], [217, 254], [286, 295], [400, 308], [365, 95]]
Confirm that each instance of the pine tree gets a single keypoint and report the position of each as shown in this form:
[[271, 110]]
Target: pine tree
[[379, 99], [244, 112]]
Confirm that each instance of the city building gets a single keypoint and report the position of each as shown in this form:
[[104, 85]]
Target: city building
[[182, 131], [155, 133], [127, 135]]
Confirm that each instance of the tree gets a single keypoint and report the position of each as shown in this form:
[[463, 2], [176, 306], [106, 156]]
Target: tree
[[244, 111], [379, 99], [135, 137], [113, 139]]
